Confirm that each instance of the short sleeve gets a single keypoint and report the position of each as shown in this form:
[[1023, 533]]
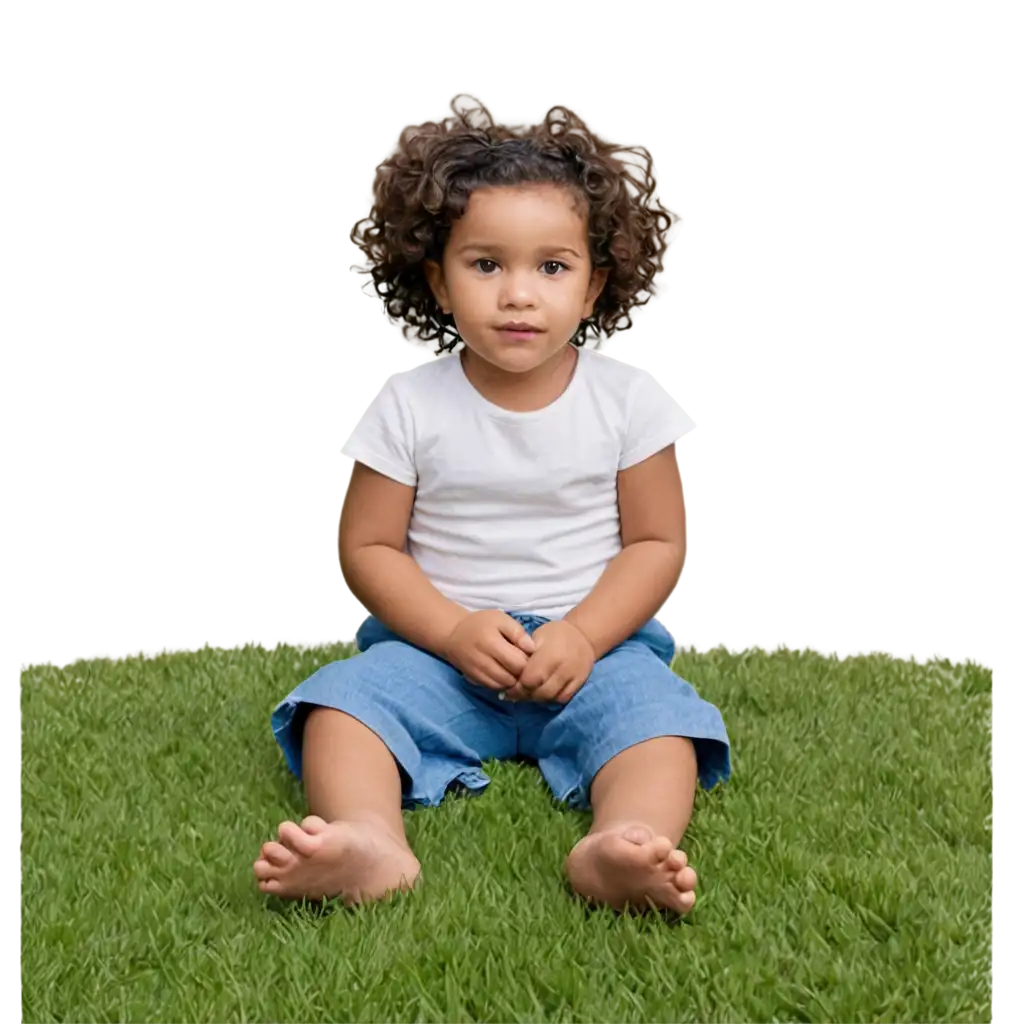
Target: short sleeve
[[383, 438], [656, 420]]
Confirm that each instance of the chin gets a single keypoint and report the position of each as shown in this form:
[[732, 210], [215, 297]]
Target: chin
[[517, 357], [520, 362], [515, 361]]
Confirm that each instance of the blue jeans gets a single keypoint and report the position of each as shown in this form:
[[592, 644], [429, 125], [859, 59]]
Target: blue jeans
[[440, 726]]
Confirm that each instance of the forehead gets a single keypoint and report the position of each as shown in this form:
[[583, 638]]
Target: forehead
[[528, 214]]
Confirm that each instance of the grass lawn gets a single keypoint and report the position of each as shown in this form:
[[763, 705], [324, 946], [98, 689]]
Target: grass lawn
[[845, 870]]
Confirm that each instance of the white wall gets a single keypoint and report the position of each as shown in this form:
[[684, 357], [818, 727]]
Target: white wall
[[850, 396], [949, 399]]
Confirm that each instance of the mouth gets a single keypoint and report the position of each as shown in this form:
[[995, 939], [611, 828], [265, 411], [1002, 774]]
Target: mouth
[[520, 333]]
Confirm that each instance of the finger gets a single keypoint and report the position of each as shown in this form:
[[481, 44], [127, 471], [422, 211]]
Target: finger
[[481, 680], [538, 671], [500, 678], [521, 693], [516, 634], [510, 658], [529, 684], [554, 685], [527, 643], [490, 674], [570, 690]]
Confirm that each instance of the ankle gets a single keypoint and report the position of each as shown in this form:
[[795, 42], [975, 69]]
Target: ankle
[[382, 822], [618, 825], [654, 826]]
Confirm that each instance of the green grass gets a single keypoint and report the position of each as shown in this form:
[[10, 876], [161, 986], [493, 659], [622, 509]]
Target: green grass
[[845, 869]]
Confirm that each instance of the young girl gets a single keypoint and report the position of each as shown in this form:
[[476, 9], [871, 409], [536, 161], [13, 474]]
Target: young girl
[[514, 520]]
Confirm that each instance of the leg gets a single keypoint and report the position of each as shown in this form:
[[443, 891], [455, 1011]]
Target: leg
[[345, 730], [652, 783], [621, 744], [353, 844], [349, 774], [642, 800]]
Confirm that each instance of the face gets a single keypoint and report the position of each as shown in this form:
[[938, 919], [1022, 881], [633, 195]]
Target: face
[[517, 254]]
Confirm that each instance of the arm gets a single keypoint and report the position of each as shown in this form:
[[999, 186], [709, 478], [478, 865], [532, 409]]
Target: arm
[[386, 581], [637, 581]]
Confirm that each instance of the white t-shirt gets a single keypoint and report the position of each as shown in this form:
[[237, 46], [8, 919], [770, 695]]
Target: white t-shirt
[[515, 510]]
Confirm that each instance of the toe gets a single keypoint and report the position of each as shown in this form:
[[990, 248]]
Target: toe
[[686, 880], [277, 854], [638, 834], [272, 885], [263, 869], [659, 849], [676, 861], [294, 838], [313, 824], [686, 901]]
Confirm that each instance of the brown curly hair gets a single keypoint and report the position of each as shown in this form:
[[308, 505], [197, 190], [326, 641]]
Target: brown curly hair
[[426, 183]]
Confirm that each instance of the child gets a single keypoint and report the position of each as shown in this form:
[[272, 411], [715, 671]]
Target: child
[[514, 520]]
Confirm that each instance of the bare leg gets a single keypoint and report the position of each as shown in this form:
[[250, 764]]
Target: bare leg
[[353, 843], [642, 800]]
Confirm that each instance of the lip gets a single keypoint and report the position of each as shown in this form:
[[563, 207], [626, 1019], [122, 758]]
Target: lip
[[520, 327]]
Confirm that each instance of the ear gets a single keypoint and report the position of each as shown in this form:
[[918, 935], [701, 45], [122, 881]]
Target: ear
[[435, 279], [597, 283]]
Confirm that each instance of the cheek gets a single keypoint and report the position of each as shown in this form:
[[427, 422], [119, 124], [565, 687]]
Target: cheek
[[577, 299], [472, 295], [469, 303]]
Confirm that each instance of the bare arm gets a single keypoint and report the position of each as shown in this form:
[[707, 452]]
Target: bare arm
[[637, 581], [386, 581]]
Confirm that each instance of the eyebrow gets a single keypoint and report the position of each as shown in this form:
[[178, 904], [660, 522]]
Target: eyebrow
[[549, 249]]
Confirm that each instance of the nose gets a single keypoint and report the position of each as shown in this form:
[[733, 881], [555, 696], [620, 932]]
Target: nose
[[518, 289]]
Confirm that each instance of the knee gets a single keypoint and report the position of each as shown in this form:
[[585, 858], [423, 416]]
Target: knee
[[322, 720]]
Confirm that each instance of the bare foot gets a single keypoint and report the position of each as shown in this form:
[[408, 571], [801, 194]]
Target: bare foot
[[632, 866], [354, 859]]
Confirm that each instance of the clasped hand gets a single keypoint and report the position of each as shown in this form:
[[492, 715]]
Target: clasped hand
[[492, 649]]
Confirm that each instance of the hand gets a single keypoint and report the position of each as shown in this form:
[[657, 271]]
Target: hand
[[562, 664], [489, 648]]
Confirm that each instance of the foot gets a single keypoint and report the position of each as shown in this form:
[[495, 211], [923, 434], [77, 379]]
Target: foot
[[631, 866], [356, 860]]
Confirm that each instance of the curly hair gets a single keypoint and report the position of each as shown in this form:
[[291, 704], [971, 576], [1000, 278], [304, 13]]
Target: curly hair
[[426, 183]]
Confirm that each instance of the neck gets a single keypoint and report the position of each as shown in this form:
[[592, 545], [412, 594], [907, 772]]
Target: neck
[[521, 392]]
